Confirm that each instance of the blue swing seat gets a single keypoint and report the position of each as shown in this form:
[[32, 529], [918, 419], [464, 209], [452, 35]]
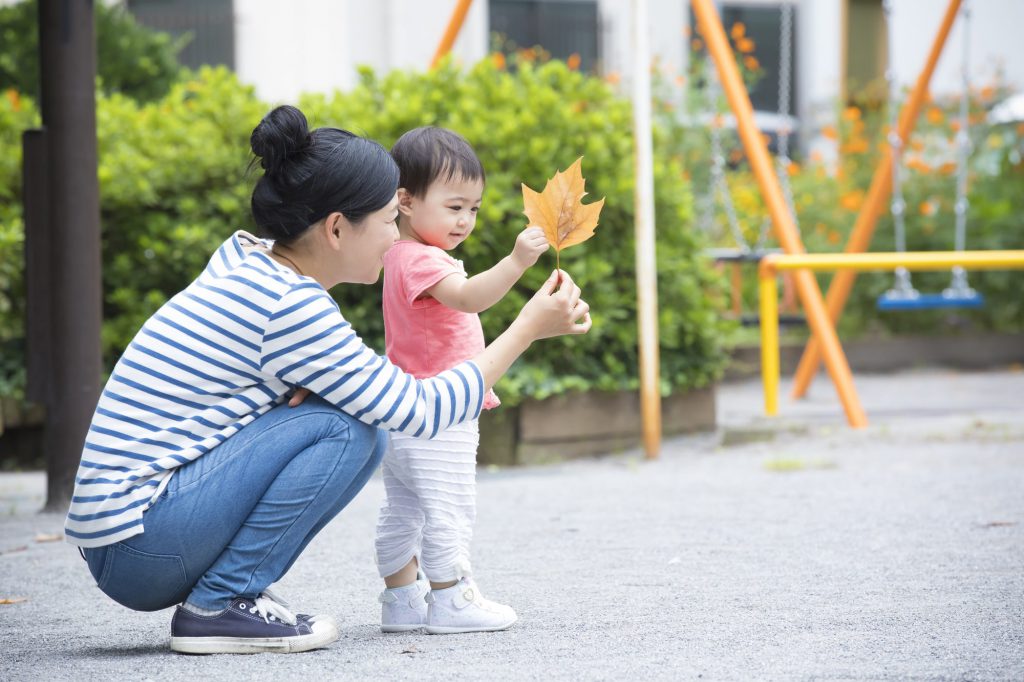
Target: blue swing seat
[[929, 301]]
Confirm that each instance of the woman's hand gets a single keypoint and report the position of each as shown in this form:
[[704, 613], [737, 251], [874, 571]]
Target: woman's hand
[[556, 309], [297, 397]]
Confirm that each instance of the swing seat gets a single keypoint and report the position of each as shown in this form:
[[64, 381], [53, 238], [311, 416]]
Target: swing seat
[[888, 301]]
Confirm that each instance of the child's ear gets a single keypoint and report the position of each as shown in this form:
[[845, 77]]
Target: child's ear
[[404, 202]]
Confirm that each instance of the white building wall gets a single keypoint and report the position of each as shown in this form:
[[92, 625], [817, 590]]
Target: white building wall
[[995, 42], [287, 48]]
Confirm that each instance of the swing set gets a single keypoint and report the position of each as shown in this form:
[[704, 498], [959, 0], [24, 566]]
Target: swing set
[[823, 312]]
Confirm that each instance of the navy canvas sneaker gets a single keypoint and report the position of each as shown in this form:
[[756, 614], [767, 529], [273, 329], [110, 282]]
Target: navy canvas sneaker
[[250, 626]]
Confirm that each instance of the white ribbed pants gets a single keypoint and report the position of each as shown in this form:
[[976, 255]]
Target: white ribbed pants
[[430, 506]]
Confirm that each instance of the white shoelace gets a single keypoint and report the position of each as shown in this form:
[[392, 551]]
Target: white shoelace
[[271, 606]]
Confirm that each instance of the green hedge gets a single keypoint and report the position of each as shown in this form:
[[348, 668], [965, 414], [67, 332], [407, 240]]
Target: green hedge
[[174, 185], [130, 59]]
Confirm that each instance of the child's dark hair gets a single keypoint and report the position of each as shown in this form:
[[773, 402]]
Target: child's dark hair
[[310, 174], [425, 154]]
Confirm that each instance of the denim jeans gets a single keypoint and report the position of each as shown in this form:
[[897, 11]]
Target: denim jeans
[[232, 522]]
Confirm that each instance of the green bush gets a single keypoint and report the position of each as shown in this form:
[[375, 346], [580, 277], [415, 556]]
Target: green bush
[[173, 186], [131, 59], [525, 124]]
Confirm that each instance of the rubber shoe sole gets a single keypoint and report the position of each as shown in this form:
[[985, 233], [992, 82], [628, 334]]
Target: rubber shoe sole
[[401, 628], [455, 630], [324, 633]]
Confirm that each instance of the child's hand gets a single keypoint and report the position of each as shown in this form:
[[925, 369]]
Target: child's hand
[[530, 244]]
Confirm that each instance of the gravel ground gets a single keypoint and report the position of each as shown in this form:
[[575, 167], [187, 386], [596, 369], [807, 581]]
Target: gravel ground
[[805, 551]]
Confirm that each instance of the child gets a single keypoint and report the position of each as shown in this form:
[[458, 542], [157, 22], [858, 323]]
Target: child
[[431, 324]]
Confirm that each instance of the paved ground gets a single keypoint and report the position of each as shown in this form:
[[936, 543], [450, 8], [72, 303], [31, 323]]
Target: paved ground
[[804, 551]]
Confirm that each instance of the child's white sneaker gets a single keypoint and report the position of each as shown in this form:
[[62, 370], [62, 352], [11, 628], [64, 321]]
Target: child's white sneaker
[[403, 608], [461, 608]]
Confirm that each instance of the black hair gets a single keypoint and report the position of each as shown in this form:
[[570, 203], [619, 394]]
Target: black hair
[[311, 174], [425, 154]]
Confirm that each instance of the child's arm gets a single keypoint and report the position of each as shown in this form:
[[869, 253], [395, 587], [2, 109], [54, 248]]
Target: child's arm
[[480, 292]]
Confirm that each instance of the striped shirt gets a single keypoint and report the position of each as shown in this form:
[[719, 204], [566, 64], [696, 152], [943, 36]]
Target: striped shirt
[[217, 356]]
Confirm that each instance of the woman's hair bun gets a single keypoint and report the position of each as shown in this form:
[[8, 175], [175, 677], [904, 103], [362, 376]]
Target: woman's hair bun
[[282, 133]]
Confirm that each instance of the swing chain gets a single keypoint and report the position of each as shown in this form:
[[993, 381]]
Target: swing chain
[[719, 181], [958, 285]]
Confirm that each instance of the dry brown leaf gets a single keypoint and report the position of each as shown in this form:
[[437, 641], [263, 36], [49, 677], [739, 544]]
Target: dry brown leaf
[[559, 209], [13, 600], [49, 537]]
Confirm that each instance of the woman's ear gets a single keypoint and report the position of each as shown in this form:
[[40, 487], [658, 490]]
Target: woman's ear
[[334, 228], [404, 202]]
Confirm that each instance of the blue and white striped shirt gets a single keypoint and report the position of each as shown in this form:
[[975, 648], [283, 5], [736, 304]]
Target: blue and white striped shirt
[[218, 355]]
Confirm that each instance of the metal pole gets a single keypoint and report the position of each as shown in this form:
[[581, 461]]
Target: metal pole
[[452, 31], [782, 220], [874, 204], [646, 264], [68, 75]]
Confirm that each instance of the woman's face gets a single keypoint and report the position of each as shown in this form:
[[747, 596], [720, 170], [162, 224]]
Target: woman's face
[[364, 245]]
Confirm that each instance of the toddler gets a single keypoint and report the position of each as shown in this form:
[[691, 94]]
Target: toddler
[[431, 324]]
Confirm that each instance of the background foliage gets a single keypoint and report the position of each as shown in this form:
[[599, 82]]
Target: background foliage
[[130, 58], [174, 185]]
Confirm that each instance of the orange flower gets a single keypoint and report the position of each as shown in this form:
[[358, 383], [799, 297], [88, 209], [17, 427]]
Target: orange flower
[[499, 60], [935, 115], [858, 146], [735, 156], [947, 168], [976, 118], [738, 30], [830, 132], [834, 237], [851, 201], [816, 156], [916, 145], [573, 62], [745, 45], [1020, 128], [680, 80], [954, 125], [751, 63], [14, 98], [696, 45], [988, 92], [851, 114], [927, 208], [819, 228], [917, 164], [793, 168], [526, 55], [613, 77]]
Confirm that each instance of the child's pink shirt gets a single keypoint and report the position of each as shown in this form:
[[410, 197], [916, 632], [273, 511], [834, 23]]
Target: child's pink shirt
[[422, 335]]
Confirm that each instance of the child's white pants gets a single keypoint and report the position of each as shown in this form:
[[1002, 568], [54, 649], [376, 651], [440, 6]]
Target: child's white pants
[[430, 506]]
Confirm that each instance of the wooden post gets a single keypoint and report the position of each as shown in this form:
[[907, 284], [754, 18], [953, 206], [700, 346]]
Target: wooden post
[[782, 220], [646, 264], [874, 204], [68, 79]]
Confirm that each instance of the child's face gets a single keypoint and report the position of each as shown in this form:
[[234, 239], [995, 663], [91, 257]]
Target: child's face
[[445, 216]]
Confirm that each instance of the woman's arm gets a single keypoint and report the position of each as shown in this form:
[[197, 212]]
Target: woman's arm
[[337, 366]]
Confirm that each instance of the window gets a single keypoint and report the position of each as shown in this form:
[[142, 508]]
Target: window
[[763, 25], [562, 27], [209, 23]]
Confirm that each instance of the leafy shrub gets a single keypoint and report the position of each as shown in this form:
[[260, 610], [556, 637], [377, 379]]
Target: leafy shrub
[[173, 186], [131, 59]]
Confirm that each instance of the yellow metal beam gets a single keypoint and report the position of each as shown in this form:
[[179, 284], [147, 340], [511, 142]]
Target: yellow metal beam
[[771, 191], [874, 204], [913, 260], [772, 264]]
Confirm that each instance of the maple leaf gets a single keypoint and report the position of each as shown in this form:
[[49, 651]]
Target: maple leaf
[[560, 211]]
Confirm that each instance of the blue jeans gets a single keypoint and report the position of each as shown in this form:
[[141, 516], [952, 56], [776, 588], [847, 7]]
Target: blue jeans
[[232, 522]]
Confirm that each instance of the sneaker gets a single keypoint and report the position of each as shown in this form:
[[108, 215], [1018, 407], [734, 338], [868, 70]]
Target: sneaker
[[403, 609], [250, 627], [461, 608]]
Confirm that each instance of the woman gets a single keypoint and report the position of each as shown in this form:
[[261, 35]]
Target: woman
[[198, 486]]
